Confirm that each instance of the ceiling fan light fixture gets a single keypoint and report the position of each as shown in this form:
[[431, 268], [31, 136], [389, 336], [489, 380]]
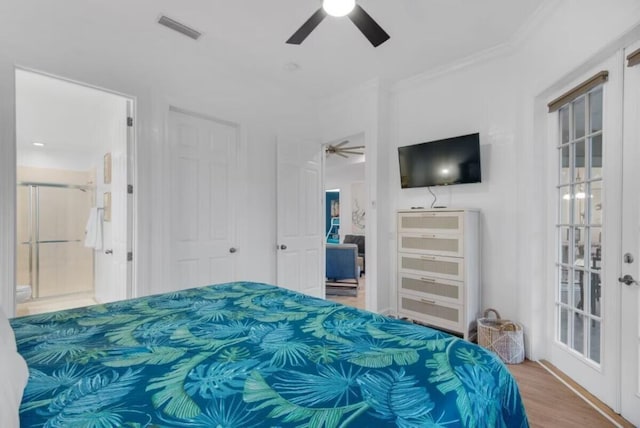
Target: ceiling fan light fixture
[[338, 8]]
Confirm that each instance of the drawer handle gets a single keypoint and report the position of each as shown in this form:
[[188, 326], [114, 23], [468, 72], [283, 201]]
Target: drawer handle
[[427, 279], [431, 302], [427, 257]]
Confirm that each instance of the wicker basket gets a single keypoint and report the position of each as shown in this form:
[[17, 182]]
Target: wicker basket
[[503, 337]]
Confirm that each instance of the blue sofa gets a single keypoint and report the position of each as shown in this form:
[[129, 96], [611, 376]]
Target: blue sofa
[[342, 265]]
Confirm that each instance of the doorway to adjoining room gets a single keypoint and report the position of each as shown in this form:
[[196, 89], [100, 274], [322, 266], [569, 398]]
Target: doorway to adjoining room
[[345, 215]]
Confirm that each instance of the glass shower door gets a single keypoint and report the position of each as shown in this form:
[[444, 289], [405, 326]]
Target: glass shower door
[[65, 265], [51, 237]]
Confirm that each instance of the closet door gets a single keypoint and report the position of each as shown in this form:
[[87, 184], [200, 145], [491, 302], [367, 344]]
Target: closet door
[[203, 228]]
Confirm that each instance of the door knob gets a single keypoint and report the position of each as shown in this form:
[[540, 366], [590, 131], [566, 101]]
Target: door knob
[[108, 251], [283, 247], [628, 279], [232, 250]]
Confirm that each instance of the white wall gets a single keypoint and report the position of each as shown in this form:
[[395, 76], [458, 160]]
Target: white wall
[[186, 79], [57, 159], [463, 102], [495, 95]]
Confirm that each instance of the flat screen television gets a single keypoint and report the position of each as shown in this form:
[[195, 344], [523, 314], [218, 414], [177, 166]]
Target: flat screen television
[[441, 163]]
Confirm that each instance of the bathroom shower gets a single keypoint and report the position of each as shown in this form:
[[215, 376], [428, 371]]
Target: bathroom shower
[[51, 256]]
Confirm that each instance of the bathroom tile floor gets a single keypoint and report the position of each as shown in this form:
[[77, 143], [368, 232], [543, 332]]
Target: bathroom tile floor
[[51, 304]]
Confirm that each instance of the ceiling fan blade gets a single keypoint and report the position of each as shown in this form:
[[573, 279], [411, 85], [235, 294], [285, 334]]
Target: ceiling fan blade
[[306, 28], [348, 152], [341, 144], [340, 154], [368, 26]]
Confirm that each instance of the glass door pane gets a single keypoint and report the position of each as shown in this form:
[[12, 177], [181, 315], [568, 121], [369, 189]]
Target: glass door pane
[[65, 268], [65, 265], [579, 226]]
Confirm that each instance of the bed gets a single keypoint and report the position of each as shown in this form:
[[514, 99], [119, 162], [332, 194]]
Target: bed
[[251, 355]]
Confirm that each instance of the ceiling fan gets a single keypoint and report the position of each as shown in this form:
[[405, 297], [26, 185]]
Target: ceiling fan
[[341, 150], [338, 8]]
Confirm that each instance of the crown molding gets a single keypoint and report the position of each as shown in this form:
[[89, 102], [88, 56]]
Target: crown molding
[[535, 21], [502, 50], [494, 52]]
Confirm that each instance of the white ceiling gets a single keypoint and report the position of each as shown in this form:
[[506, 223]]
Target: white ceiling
[[246, 39], [73, 121], [63, 115], [248, 36], [425, 34]]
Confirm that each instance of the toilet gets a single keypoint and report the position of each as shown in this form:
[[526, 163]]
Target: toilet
[[23, 293]]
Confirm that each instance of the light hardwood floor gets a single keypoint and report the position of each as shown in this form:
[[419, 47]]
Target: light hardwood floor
[[357, 301], [550, 403]]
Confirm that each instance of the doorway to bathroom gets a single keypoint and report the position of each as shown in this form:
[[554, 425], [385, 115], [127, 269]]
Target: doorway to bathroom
[[73, 204]]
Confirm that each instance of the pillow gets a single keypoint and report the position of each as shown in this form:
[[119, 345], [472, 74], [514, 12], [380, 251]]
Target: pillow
[[7, 338], [14, 374]]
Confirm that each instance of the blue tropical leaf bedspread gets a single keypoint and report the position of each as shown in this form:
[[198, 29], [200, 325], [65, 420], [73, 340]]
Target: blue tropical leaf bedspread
[[254, 355]]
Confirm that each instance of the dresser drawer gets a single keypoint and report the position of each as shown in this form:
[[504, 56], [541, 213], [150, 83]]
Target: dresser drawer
[[436, 288], [431, 222], [439, 314], [432, 266], [434, 243]]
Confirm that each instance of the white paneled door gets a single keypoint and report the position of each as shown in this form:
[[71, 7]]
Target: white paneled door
[[630, 263], [300, 245], [203, 154], [121, 207]]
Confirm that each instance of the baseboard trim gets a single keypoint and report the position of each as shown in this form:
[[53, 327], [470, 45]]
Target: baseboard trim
[[617, 420]]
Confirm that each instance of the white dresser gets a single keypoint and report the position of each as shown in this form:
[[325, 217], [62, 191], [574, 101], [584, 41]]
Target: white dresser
[[439, 269]]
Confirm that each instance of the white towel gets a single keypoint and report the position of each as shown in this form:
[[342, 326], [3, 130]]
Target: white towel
[[93, 230]]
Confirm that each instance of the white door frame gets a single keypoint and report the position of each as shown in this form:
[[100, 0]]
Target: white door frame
[[132, 172]]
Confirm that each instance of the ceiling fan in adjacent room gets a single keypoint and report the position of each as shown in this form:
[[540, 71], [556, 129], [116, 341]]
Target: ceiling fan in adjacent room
[[338, 8], [341, 150]]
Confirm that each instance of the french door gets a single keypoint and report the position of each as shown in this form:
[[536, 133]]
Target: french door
[[596, 323], [587, 135]]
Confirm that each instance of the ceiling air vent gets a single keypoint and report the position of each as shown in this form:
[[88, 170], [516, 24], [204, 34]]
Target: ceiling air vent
[[180, 28]]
